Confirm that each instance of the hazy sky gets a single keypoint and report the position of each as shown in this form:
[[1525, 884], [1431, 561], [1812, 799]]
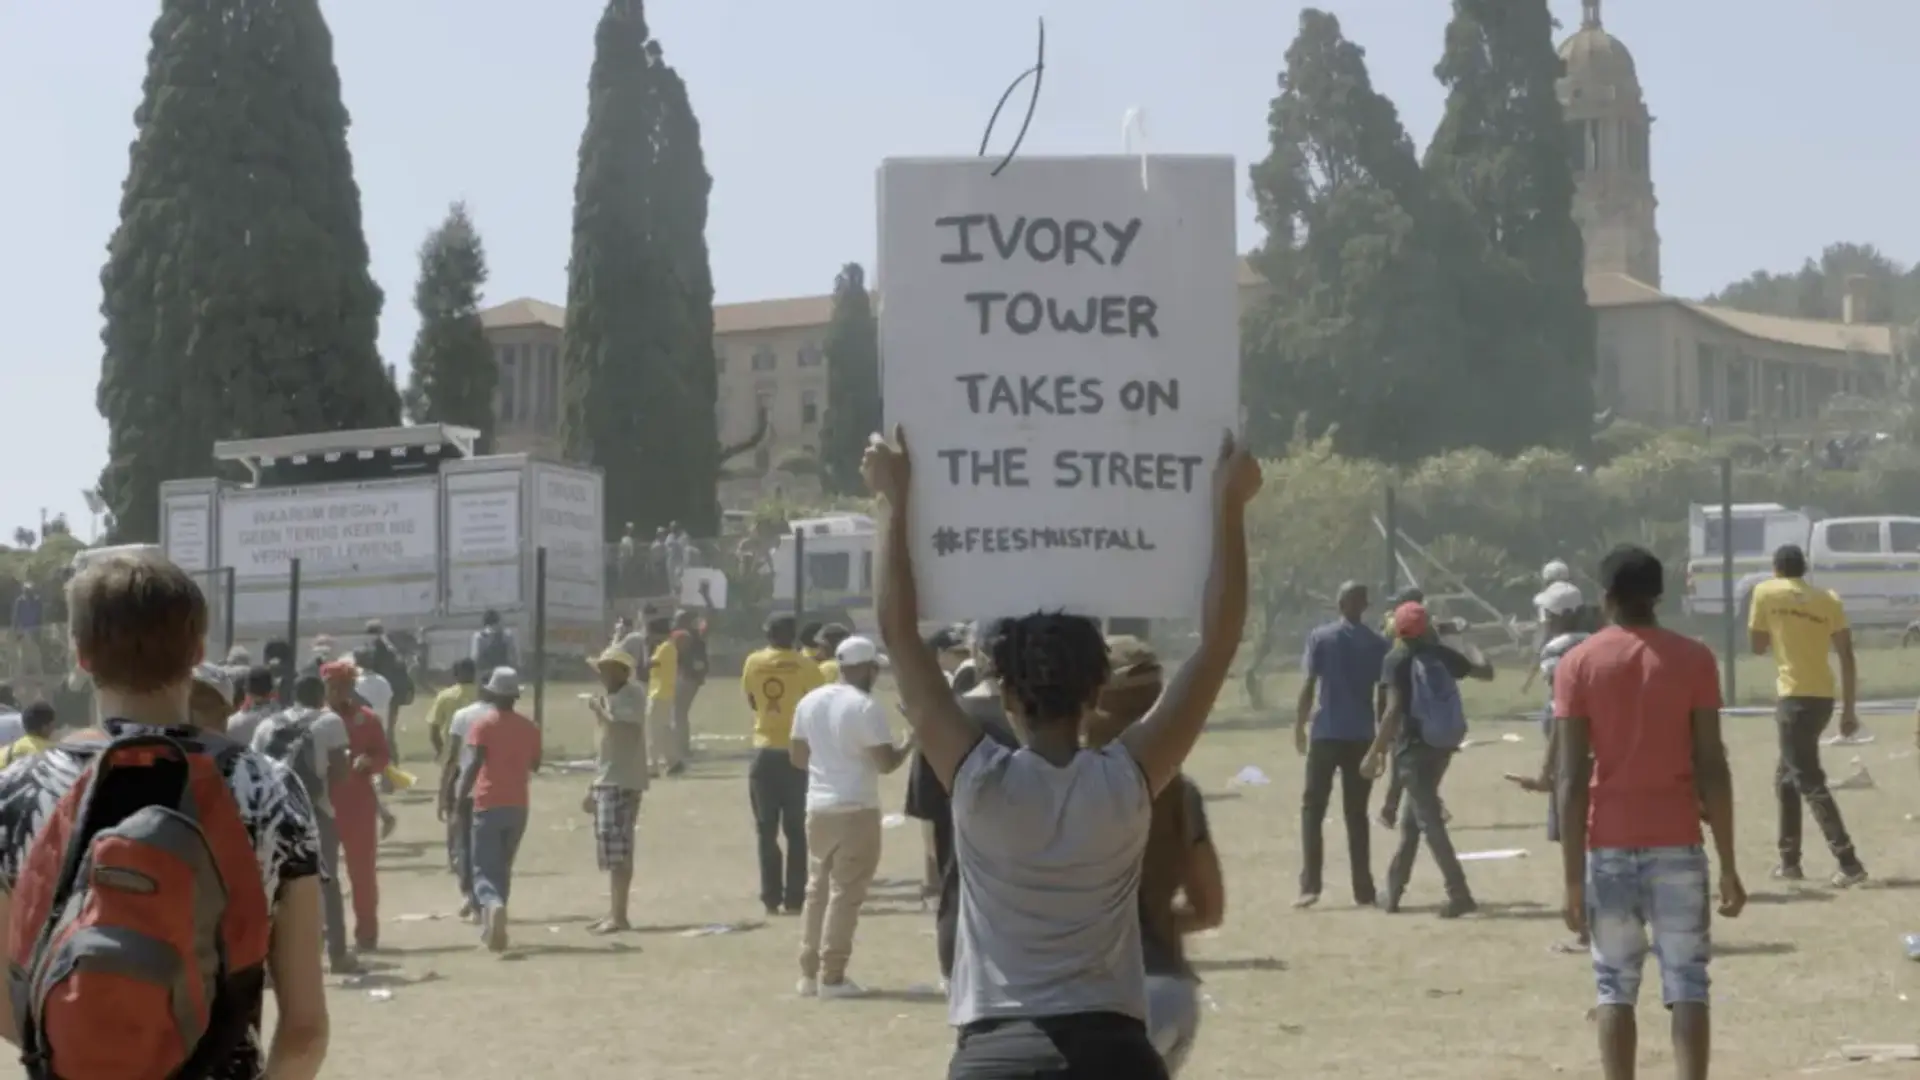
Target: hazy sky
[[1778, 130]]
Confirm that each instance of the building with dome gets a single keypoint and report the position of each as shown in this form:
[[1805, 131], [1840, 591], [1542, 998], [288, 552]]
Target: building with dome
[[1610, 132]]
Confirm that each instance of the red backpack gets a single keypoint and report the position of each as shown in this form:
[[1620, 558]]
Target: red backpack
[[138, 943]]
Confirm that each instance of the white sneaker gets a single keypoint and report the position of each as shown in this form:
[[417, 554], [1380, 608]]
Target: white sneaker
[[807, 988], [845, 988]]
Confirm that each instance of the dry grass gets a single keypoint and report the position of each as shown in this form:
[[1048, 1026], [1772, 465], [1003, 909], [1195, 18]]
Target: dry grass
[[1332, 992]]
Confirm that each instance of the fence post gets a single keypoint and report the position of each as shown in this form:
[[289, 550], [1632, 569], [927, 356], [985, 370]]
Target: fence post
[[293, 609], [540, 638], [1391, 520], [799, 576], [1728, 610], [226, 612]]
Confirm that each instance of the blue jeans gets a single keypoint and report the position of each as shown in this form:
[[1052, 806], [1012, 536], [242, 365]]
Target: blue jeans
[[496, 840], [1649, 898]]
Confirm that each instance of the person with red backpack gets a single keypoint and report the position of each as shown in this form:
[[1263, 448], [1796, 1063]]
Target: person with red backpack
[[202, 867]]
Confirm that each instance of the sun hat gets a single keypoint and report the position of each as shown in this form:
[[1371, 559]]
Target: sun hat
[[213, 677], [1131, 663], [614, 655], [857, 650], [1559, 598], [504, 682]]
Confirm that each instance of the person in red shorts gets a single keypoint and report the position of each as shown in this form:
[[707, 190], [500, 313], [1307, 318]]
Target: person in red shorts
[[1637, 709], [356, 803]]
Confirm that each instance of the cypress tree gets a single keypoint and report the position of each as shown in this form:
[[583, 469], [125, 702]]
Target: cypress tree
[[237, 297], [853, 382], [454, 374], [1500, 165]]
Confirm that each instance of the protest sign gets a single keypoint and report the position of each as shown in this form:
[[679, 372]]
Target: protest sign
[[1061, 343]]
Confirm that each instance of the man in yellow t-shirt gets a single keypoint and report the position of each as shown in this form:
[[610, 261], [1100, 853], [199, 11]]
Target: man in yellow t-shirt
[[662, 679], [1800, 624], [461, 694], [37, 720], [774, 680], [831, 635]]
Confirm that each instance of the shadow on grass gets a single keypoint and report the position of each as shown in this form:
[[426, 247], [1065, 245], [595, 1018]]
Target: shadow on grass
[[1244, 963], [411, 849], [1791, 896], [1893, 883], [1754, 948], [431, 950], [1499, 826], [530, 952], [1219, 796], [1524, 910], [386, 980], [923, 995]]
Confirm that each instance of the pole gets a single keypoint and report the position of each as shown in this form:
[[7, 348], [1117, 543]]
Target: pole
[[293, 609], [1730, 613], [540, 638], [1392, 522], [226, 612], [799, 576]]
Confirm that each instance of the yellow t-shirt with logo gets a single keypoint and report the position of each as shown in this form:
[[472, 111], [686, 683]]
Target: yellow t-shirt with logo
[[775, 680], [666, 669], [1801, 621]]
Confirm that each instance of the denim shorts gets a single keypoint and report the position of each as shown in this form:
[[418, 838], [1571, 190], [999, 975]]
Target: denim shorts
[[1641, 898]]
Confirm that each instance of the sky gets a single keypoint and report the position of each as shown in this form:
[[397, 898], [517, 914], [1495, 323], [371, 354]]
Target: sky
[[1768, 142]]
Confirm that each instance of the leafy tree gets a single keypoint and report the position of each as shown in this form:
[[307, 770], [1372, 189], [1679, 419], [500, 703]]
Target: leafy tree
[[237, 298], [1351, 337], [454, 375], [1819, 288], [639, 387], [1503, 185], [853, 382]]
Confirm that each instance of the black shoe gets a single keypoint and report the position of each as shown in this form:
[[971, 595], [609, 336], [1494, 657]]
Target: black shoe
[[678, 768], [1390, 904], [1458, 906], [790, 909]]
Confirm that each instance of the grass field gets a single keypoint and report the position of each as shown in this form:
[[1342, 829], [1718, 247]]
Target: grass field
[[1332, 992]]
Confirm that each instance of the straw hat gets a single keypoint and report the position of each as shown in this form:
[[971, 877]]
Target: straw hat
[[616, 657]]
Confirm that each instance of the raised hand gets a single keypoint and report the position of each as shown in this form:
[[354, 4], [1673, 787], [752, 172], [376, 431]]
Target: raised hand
[[1236, 474], [885, 466]]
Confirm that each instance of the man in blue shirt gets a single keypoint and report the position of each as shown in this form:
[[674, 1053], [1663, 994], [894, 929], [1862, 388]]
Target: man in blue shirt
[[1342, 668]]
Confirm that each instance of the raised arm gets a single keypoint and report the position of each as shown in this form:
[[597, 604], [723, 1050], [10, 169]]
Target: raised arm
[[1163, 738], [945, 734]]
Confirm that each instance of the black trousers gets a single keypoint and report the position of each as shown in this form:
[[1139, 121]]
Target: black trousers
[[946, 915], [1421, 768], [1327, 758], [1083, 1046], [778, 793], [333, 908], [1800, 779]]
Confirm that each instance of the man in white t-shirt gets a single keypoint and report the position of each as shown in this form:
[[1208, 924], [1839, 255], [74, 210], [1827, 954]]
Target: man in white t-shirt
[[841, 739], [458, 812]]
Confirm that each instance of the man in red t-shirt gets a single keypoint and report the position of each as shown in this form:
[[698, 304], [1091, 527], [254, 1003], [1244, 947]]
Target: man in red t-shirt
[[1638, 713], [504, 752]]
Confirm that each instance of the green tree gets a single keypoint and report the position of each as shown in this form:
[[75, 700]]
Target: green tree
[[454, 375], [236, 295], [1503, 188], [853, 382], [1818, 289], [639, 387], [1351, 336]]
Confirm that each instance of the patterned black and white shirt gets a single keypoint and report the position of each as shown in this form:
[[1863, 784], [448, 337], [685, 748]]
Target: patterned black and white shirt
[[273, 807]]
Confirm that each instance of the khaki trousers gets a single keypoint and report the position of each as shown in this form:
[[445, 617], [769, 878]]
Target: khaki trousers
[[843, 853], [661, 746]]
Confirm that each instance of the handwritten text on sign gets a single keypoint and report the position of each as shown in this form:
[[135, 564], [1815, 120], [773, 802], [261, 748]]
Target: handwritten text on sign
[[389, 528], [1061, 345]]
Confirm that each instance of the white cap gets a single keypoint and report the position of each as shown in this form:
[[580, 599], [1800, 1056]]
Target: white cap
[[1559, 598], [1555, 571], [504, 682], [857, 650]]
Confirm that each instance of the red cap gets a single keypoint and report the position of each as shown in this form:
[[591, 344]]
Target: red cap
[[1410, 620], [339, 671]]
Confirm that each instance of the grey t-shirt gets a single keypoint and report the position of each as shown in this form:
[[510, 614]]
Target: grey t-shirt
[[622, 757], [1049, 862]]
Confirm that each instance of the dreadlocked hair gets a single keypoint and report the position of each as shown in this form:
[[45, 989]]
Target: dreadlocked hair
[[1052, 663]]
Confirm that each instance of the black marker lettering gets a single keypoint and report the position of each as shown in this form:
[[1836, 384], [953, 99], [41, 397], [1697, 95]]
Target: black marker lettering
[[1023, 324], [962, 224], [985, 300], [1113, 315], [1080, 237], [1003, 397], [1123, 238], [1065, 319], [1140, 313], [972, 383], [1044, 239], [1006, 243]]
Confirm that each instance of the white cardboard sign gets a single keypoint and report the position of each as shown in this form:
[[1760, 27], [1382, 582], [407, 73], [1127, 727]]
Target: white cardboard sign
[[1061, 343]]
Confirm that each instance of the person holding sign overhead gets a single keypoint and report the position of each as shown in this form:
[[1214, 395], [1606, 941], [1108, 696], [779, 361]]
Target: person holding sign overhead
[[774, 680], [1048, 976]]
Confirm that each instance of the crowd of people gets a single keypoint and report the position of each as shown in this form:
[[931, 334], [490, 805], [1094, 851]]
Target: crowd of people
[[1069, 855]]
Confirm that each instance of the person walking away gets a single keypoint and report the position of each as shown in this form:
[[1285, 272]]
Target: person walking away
[[826, 649], [380, 657], [774, 679], [455, 811], [1800, 625], [210, 701], [1553, 574], [312, 743], [663, 672], [260, 701], [619, 781], [37, 724], [1564, 624], [138, 626], [1637, 708], [1424, 724], [376, 694], [461, 694], [842, 742], [690, 648], [1333, 727], [498, 778], [1049, 971], [356, 804], [1182, 890], [493, 646]]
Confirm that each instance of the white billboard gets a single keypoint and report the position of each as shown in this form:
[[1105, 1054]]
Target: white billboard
[[357, 530], [567, 521], [483, 541]]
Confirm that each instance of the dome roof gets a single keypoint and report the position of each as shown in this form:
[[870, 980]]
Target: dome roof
[[1597, 58]]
